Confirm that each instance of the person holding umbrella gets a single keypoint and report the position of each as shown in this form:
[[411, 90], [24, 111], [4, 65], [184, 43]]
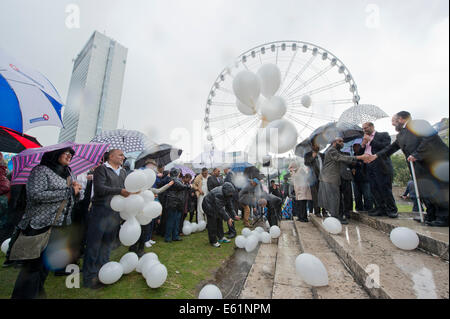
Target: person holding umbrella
[[51, 195]]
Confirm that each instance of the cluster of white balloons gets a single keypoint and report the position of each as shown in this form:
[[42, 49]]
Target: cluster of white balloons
[[311, 270], [250, 238], [332, 225], [248, 88], [189, 228], [5, 245], [210, 291], [148, 265], [404, 238], [139, 208]]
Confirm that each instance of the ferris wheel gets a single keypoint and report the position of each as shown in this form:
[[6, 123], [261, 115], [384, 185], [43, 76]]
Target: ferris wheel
[[315, 85]]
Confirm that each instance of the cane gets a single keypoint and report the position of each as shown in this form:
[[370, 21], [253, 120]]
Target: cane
[[417, 190]]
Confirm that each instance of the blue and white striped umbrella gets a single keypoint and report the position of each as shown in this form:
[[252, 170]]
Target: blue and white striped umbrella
[[27, 98]]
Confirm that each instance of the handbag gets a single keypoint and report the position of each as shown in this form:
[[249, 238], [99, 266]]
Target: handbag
[[31, 247]]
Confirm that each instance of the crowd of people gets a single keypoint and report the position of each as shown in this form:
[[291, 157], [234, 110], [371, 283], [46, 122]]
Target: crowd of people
[[60, 205]]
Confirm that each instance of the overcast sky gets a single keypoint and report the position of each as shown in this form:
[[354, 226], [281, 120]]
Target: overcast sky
[[176, 49]]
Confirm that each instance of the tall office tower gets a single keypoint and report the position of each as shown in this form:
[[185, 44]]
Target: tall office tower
[[93, 101]]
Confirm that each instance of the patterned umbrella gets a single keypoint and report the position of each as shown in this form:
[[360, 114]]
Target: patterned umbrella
[[126, 140], [362, 113], [86, 156], [185, 170]]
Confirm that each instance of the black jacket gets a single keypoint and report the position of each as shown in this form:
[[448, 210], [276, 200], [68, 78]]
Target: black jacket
[[379, 142], [313, 163], [107, 184], [219, 202], [176, 195], [213, 182]]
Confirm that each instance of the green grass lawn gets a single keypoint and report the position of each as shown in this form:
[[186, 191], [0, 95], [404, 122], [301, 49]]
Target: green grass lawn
[[188, 262]]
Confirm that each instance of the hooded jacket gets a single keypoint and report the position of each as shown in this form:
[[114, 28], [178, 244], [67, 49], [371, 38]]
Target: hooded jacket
[[176, 193], [219, 202]]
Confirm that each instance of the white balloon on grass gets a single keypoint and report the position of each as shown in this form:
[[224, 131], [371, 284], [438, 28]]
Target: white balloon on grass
[[281, 136], [136, 181], [274, 108], [117, 203], [306, 101], [147, 265], [5, 246], [148, 196], [210, 291], [186, 222], [311, 270], [134, 204], [144, 259], [266, 238], [129, 262], [275, 231], [251, 243], [245, 109], [247, 87], [156, 276], [130, 232], [240, 241], [202, 225], [150, 178], [332, 225], [246, 232], [110, 272], [194, 227], [270, 77], [404, 238], [187, 229]]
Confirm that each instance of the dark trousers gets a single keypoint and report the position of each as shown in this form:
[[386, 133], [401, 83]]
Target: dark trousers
[[315, 199], [172, 224], [362, 190], [273, 215], [299, 209], [381, 188], [215, 228], [231, 230], [103, 225], [346, 203]]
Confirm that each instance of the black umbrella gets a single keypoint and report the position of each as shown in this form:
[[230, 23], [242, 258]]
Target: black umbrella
[[163, 154], [15, 142], [324, 135]]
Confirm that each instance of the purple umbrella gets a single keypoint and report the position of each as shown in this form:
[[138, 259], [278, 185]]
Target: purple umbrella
[[185, 170], [86, 156]]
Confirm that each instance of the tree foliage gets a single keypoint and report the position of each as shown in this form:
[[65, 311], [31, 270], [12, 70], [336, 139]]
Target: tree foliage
[[401, 170]]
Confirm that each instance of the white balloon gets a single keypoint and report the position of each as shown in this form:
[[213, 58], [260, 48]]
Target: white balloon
[[306, 101], [245, 109], [130, 232], [404, 238], [281, 136], [210, 292], [251, 243], [145, 258], [117, 203], [129, 262], [332, 225], [267, 224], [5, 246], [134, 204], [274, 108], [311, 270], [187, 229], [148, 196], [156, 276], [270, 76], [152, 209], [275, 231], [194, 227], [259, 229], [246, 232], [147, 265], [266, 238], [201, 225], [240, 241], [150, 178], [136, 181], [125, 216], [246, 87], [110, 273], [186, 222]]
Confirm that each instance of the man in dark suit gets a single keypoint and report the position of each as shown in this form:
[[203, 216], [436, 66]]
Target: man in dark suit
[[380, 172], [421, 145], [214, 180], [229, 178], [314, 160]]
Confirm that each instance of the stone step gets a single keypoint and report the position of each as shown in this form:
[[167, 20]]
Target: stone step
[[287, 284], [385, 271], [259, 282], [433, 240], [341, 284]]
